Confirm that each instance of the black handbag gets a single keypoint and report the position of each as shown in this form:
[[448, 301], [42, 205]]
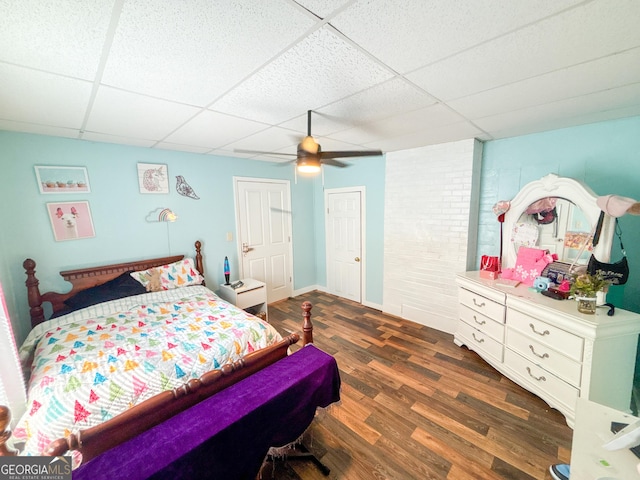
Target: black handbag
[[616, 273]]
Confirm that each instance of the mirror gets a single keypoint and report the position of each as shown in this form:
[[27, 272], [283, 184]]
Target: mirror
[[558, 214], [555, 224]]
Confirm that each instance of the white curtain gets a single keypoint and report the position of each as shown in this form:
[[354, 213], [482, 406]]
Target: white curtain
[[12, 387]]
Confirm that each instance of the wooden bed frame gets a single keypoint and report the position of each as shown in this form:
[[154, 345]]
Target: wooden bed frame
[[95, 440]]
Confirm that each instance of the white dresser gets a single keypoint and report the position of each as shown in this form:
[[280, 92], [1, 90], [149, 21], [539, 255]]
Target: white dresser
[[547, 346]]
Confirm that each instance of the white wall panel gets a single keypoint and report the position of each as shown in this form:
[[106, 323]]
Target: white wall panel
[[430, 224]]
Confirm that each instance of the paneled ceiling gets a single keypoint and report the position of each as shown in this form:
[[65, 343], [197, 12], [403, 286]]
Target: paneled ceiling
[[212, 76]]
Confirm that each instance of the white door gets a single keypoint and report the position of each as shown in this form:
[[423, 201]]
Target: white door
[[344, 246], [264, 234]]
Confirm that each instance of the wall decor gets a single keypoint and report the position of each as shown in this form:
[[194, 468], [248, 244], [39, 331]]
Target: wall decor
[[183, 188], [70, 220], [161, 215], [55, 179], [153, 178]]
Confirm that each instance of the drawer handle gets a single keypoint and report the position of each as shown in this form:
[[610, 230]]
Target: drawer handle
[[544, 355], [538, 379], [542, 334], [478, 304], [479, 340], [479, 322]]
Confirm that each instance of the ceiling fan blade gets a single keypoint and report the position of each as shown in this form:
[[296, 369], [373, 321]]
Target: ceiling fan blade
[[334, 163], [258, 152], [350, 153]]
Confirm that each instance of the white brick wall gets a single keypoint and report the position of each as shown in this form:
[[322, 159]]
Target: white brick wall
[[430, 208]]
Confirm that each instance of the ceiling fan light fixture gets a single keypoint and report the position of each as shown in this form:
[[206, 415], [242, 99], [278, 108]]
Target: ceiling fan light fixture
[[309, 145], [308, 165]]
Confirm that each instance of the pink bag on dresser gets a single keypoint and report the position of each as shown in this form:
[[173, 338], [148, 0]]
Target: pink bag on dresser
[[530, 263]]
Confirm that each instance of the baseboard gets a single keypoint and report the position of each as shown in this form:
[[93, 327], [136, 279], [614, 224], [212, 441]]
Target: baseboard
[[304, 290], [375, 306]]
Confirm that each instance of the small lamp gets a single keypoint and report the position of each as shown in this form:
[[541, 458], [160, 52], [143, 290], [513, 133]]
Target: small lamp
[[167, 215], [227, 271]]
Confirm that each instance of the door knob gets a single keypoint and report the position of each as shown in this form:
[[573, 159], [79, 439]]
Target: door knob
[[246, 248], [357, 259]]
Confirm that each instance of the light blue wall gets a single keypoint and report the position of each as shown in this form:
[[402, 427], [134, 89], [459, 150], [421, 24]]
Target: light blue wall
[[368, 172], [119, 212], [605, 156]]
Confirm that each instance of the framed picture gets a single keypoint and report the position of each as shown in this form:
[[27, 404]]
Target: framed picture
[[62, 179], [153, 178], [70, 220]]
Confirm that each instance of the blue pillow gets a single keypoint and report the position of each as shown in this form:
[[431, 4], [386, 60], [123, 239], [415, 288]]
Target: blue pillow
[[120, 287]]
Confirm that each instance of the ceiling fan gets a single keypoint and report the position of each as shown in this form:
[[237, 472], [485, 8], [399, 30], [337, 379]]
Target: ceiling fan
[[310, 156]]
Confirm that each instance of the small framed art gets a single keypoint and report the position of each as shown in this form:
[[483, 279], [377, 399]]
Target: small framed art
[[70, 220], [153, 178], [53, 179]]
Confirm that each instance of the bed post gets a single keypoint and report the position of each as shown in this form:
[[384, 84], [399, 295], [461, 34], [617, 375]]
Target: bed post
[[199, 263], [33, 293], [307, 327], [5, 432]]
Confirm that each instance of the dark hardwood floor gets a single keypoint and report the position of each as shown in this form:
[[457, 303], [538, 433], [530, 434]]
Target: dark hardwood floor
[[416, 406]]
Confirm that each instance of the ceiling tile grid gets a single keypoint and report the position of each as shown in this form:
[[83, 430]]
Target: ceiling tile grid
[[215, 77]]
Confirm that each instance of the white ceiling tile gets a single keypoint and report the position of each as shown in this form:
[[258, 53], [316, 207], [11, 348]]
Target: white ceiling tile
[[601, 74], [538, 117], [42, 98], [409, 34], [512, 130], [192, 51], [432, 136], [12, 126], [321, 69], [214, 130], [125, 114], [123, 140], [418, 120], [597, 29], [271, 139], [181, 148], [63, 37]]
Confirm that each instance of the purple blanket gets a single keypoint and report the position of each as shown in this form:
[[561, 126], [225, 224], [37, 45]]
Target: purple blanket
[[228, 435]]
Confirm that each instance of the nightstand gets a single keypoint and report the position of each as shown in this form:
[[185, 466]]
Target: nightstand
[[252, 296]]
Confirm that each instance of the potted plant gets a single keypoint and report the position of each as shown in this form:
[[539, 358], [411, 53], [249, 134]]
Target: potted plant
[[585, 288]]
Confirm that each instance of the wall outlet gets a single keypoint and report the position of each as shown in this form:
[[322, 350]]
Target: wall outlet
[[229, 237]]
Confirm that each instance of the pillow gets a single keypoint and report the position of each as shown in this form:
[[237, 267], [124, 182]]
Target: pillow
[[119, 287], [174, 275]]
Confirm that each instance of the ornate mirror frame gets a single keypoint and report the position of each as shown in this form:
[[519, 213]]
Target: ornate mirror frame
[[573, 190]]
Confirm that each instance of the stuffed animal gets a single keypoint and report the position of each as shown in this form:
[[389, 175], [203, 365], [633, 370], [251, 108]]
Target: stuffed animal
[[154, 284]]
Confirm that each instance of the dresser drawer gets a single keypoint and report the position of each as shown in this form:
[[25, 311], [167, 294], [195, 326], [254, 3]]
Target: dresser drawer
[[482, 304], [483, 323], [479, 341], [562, 341], [543, 383], [547, 358]]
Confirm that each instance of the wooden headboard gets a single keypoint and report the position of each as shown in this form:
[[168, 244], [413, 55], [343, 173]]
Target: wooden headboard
[[84, 278]]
